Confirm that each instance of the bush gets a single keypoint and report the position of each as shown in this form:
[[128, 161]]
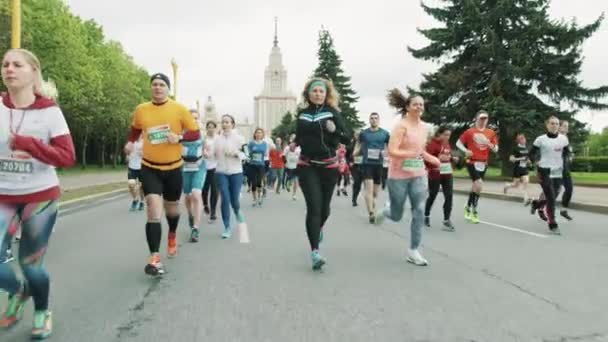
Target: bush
[[590, 164]]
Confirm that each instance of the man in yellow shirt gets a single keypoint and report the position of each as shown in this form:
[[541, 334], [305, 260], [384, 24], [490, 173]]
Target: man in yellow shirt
[[161, 121]]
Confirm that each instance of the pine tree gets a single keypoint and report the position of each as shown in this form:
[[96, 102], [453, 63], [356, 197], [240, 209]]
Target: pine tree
[[510, 58], [330, 67], [285, 128]]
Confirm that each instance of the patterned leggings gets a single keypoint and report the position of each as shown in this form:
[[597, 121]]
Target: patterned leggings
[[37, 221]]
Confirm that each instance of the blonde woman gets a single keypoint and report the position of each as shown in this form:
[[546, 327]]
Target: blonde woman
[[34, 139]]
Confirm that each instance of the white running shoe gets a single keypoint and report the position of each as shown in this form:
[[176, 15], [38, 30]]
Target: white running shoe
[[416, 258]]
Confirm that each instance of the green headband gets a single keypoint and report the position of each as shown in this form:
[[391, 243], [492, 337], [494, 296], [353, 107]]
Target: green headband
[[315, 84]]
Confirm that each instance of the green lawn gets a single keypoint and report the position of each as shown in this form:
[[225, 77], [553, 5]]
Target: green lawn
[[578, 177], [78, 170]]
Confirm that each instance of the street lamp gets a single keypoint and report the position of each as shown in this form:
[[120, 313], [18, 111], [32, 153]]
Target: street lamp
[[16, 24], [174, 66]]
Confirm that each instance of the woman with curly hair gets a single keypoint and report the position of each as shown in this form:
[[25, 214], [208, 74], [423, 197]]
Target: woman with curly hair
[[319, 130]]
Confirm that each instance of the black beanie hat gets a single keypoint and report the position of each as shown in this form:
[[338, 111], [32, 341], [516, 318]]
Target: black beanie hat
[[162, 77]]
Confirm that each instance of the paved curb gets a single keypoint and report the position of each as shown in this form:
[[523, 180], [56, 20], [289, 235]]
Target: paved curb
[[590, 207]]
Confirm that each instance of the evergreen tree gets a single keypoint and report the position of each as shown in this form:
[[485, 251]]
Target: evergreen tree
[[330, 67], [510, 58], [285, 128]]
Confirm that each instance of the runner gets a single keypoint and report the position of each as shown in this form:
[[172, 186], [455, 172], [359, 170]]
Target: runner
[[161, 121], [210, 193], [521, 162], [194, 173], [277, 165], [257, 149], [292, 155], [386, 161], [407, 175], [319, 130], [343, 177], [476, 143], [373, 141], [567, 180], [35, 140], [550, 150], [134, 176], [229, 172], [441, 176], [357, 167]]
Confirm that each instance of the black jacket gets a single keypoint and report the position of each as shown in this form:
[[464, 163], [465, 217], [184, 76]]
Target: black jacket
[[315, 142]]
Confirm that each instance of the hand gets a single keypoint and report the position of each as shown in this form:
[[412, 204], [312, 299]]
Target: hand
[[129, 148], [455, 159], [434, 161], [468, 153], [173, 138], [330, 126]]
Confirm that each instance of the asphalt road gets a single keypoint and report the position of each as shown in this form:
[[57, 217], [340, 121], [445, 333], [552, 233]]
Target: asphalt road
[[502, 280]]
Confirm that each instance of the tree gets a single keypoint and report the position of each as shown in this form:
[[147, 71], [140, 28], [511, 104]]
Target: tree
[[597, 143], [330, 67], [509, 58], [286, 128]]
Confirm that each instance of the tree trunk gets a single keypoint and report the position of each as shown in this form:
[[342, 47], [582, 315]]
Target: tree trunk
[[83, 153], [505, 147], [102, 153], [116, 155]]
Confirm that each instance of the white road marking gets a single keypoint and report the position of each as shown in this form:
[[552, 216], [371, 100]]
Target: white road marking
[[517, 230], [244, 233]]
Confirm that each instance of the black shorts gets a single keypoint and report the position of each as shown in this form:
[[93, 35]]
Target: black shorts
[[374, 172], [134, 174], [475, 174], [519, 172], [167, 183]]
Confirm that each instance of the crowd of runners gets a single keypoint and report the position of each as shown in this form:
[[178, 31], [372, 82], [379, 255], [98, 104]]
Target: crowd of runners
[[174, 157]]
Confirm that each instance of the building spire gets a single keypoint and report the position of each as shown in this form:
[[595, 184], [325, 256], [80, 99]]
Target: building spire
[[276, 31]]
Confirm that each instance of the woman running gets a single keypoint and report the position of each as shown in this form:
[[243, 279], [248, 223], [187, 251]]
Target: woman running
[[550, 150], [210, 193], [356, 167], [134, 176], [521, 162], [257, 149], [292, 155], [229, 172], [406, 173], [441, 176], [194, 173], [343, 177], [34, 140], [567, 180], [319, 130], [277, 166]]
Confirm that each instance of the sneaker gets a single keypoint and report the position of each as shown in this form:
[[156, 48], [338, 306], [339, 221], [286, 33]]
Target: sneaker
[[212, 218], [381, 216], [475, 217], [317, 261], [467, 213], [527, 202], [240, 218], [260, 201], [564, 214], [448, 226], [43, 325], [133, 206], [338, 193], [154, 266], [344, 192], [227, 233], [206, 210], [172, 245], [194, 235], [355, 204], [554, 229], [427, 221], [294, 198], [141, 206], [8, 257], [372, 218], [416, 258], [14, 310], [542, 215]]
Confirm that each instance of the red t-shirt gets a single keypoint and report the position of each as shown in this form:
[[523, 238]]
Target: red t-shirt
[[478, 142], [276, 159], [441, 151]]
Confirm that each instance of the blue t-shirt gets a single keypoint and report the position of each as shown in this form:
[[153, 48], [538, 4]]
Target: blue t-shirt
[[192, 153], [257, 152], [372, 145]]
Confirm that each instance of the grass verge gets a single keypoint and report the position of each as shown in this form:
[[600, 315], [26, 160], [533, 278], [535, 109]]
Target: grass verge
[[68, 195], [579, 178]]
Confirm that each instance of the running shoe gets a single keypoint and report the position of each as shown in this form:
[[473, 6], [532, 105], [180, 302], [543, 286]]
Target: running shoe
[[542, 215], [154, 266], [475, 217], [240, 218], [554, 229], [227, 233], [8, 257], [172, 245], [260, 201], [141, 205], [194, 235], [338, 193], [294, 198], [467, 213], [427, 221], [133, 206], [212, 218], [416, 258], [355, 204], [566, 215], [372, 218], [527, 202], [344, 192], [448, 226], [14, 310], [43, 325], [317, 261], [206, 209]]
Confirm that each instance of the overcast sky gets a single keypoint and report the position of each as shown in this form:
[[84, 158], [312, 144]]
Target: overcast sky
[[222, 47]]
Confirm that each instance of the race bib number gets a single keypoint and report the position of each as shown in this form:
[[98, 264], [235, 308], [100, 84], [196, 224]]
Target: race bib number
[[192, 166], [445, 169], [373, 154], [412, 165], [523, 164], [480, 166], [258, 157], [557, 172], [358, 159], [158, 134], [16, 166]]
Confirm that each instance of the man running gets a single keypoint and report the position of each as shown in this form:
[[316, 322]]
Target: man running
[[521, 162], [162, 122], [567, 179], [134, 176], [476, 143], [373, 141]]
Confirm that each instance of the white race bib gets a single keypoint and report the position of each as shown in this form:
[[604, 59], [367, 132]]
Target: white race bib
[[480, 166], [258, 157], [358, 159], [412, 165], [192, 166], [373, 153], [158, 134], [17, 170], [523, 164], [557, 172], [445, 169]]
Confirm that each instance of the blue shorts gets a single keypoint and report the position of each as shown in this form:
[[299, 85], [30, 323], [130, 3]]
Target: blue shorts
[[134, 174], [193, 180]]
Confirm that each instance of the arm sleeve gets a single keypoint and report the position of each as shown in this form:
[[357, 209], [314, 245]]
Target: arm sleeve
[[461, 146]]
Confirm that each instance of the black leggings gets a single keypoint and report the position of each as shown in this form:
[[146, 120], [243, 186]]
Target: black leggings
[[384, 177], [567, 196], [343, 178], [550, 188], [210, 194], [257, 173], [317, 185], [447, 187], [357, 181]]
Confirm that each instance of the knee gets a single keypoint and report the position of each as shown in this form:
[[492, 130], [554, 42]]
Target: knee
[[132, 183]]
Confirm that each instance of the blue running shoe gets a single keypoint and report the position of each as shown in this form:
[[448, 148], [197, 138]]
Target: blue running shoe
[[133, 206], [227, 233], [240, 218], [317, 261]]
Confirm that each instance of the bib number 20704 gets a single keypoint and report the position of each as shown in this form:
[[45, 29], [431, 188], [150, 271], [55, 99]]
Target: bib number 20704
[[158, 135], [412, 165]]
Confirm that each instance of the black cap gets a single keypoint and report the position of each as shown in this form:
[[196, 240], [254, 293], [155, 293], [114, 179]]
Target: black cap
[[162, 77]]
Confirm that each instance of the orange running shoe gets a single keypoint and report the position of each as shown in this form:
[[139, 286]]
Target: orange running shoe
[[154, 266], [172, 245]]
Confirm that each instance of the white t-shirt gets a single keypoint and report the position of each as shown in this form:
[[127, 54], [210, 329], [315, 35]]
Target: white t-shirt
[[291, 157], [20, 173], [211, 161], [228, 144], [136, 156], [551, 151]]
